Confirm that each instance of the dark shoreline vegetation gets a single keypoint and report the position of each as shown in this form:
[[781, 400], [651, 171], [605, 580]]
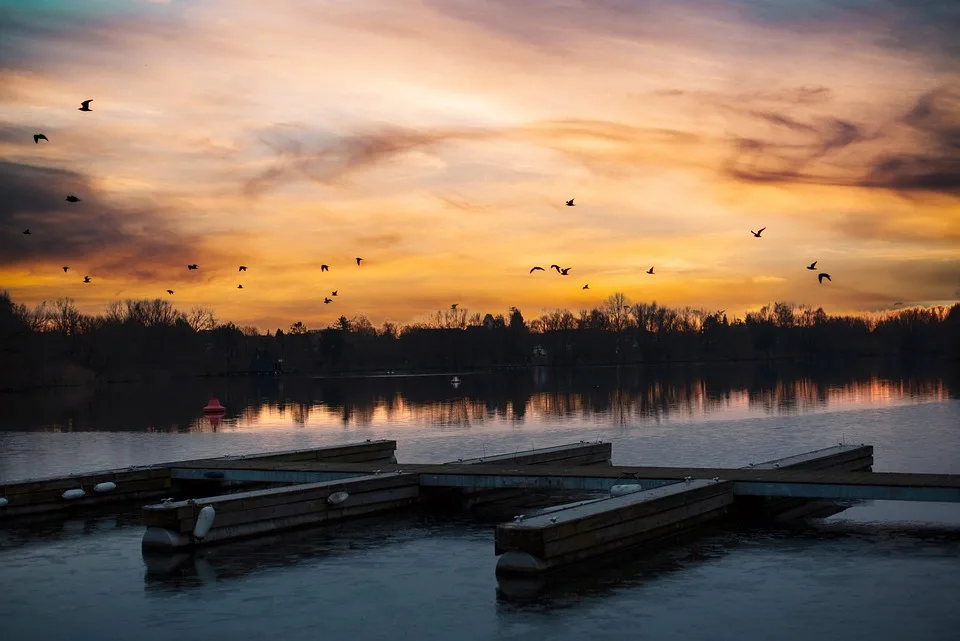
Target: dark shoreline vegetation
[[55, 344]]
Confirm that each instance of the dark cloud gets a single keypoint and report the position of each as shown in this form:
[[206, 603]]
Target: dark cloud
[[332, 161], [94, 235], [15, 134], [762, 161], [928, 26], [929, 162], [935, 166], [784, 121]]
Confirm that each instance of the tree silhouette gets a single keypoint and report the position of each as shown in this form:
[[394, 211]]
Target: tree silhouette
[[56, 343]]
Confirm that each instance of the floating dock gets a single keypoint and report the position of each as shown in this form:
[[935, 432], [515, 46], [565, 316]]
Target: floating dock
[[332, 496], [139, 483], [640, 512], [619, 507]]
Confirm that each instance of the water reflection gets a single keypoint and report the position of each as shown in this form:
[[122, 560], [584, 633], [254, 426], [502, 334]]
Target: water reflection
[[622, 396], [234, 560]]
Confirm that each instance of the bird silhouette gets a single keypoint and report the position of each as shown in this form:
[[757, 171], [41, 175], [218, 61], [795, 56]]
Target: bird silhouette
[[169, 291], [650, 271], [26, 232], [86, 279], [756, 234], [192, 266], [243, 268], [324, 268], [327, 301], [570, 203], [239, 286], [587, 286], [65, 269], [85, 105], [822, 275], [563, 272], [556, 267], [72, 199], [812, 266], [358, 261], [533, 269], [38, 137], [334, 292], [898, 303]]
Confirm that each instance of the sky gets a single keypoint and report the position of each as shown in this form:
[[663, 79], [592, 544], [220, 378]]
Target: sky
[[440, 139]]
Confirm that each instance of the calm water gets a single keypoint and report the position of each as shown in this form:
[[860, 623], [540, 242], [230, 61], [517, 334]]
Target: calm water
[[880, 570]]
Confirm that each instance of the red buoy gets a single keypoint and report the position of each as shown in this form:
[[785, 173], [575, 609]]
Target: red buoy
[[214, 407]]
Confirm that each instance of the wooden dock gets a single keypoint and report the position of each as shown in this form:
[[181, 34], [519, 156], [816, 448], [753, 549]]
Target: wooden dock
[[634, 515], [624, 506], [139, 483], [173, 525]]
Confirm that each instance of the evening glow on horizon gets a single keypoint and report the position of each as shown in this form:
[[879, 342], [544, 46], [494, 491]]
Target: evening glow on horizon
[[439, 139]]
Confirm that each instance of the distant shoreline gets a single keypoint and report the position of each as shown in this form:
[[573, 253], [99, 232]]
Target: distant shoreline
[[71, 376]]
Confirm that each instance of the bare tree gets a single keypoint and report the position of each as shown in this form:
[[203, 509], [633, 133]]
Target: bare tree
[[201, 318], [65, 317], [617, 308]]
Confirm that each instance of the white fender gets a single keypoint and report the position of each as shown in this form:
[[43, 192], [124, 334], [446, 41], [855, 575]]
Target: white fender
[[76, 493], [337, 498], [106, 486], [620, 490], [204, 522]]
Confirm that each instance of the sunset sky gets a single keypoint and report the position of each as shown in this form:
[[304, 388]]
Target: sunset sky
[[439, 139]]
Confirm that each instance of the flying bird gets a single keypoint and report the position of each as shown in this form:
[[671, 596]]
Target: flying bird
[[86, 279], [533, 269], [358, 261], [192, 266], [334, 292], [563, 272], [38, 137], [756, 234], [556, 267], [587, 286], [570, 203], [169, 291], [821, 276], [65, 269], [239, 286], [327, 301], [72, 199], [898, 303], [453, 307], [812, 266], [324, 268], [650, 271], [26, 232], [243, 268], [85, 105]]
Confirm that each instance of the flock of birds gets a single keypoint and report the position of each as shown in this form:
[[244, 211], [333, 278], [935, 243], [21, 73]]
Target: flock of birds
[[562, 271], [85, 106], [565, 271]]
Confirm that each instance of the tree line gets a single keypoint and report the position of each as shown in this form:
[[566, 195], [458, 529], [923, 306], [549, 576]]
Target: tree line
[[54, 343]]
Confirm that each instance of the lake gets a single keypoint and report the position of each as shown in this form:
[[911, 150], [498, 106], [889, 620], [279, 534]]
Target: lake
[[879, 570]]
